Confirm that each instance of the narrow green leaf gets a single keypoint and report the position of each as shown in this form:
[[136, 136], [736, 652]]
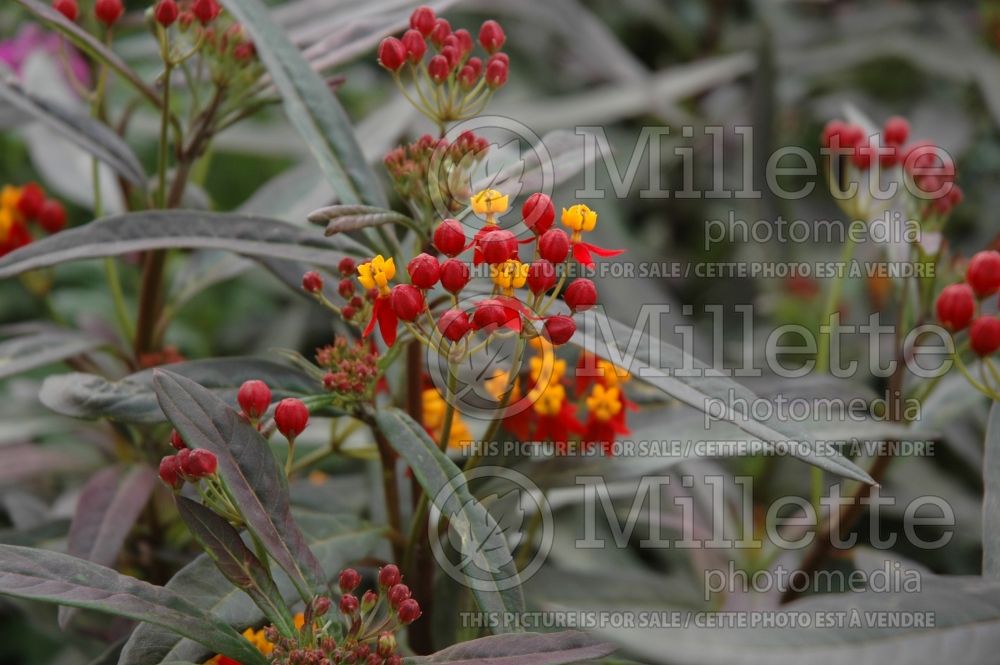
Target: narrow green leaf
[[436, 474], [40, 348], [344, 218], [52, 577], [235, 560], [991, 496], [248, 468]]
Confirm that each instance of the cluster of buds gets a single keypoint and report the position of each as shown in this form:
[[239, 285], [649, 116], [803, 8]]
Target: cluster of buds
[[958, 305], [165, 12], [357, 305], [432, 174], [186, 465], [22, 207], [291, 415], [450, 82], [351, 368], [106, 11]]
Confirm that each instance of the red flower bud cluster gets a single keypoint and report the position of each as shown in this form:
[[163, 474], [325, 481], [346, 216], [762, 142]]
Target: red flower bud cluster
[[958, 304], [351, 369], [431, 172], [187, 466], [21, 208]]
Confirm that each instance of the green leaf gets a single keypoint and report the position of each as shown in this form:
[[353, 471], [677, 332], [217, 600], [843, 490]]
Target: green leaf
[[482, 537], [344, 218], [41, 346], [991, 496], [92, 136], [248, 468], [311, 106], [335, 539], [234, 559], [255, 237], [637, 352], [568, 646], [132, 399], [35, 574]]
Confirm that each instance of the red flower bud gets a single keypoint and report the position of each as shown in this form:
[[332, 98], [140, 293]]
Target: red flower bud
[[983, 273], [455, 274], [407, 302], [291, 417], [348, 604], [368, 600], [498, 246], [398, 593], [254, 397], [422, 20], [440, 32], [439, 69], [52, 216], [206, 11], [452, 55], [464, 40], [559, 329], [541, 276], [449, 238], [984, 335], [176, 441], [31, 200], [346, 288], [198, 464], [408, 611], [832, 130], [68, 8], [321, 605], [347, 266], [852, 136], [496, 72], [454, 324], [394, 659], [554, 246], [348, 312], [862, 156], [389, 575], [108, 11], [166, 12], [489, 313], [538, 213], [391, 54], [349, 580], [312, 282], [476, 64], [170, 472], [467, 77], [424, 271], [896, 130], [491, 36], [580, 295], [386, 645], [415, 45]]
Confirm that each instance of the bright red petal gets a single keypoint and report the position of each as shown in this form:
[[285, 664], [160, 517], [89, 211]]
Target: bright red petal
[[387, 321], [600, 251], [582, 254]]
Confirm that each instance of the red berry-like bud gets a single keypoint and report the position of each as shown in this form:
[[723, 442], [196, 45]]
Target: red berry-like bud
[[346, 288], [449, 238], [108, 11], [491, 36], [312, 282], [166, 12], [206, 11], [896, 130], [415, 45], [451, 54], [349, 580], [389, 575], [498, 246], [496, 72], [254, 397], [541, 276], [348, 312], [31, 201], [321, 605], [476, 64], [422, 20], [52, 216], [831, 136], [398, 593], [455, 274], [68, 8], [439, 69], [489, 313], [407, 301], [291, 417], [464, 40], [424, 271], [348, 604], [368, 600], [386, 645], [554, 246], [851, 136], [862, 156], [440, 32], [198, 464], [983, 273], [408, 611], [538, 213], [984, 335], [176, 441], [347, 266], [454, 324], [467, 77], [170, 472], [391, 54], [559, 329], [580, 295]]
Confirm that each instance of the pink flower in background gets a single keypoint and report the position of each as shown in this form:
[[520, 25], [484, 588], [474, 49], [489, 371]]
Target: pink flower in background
[[31, 38]]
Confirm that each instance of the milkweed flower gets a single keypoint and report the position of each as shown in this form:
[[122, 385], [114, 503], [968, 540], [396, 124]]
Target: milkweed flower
[[376, 275], [581, 219]]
